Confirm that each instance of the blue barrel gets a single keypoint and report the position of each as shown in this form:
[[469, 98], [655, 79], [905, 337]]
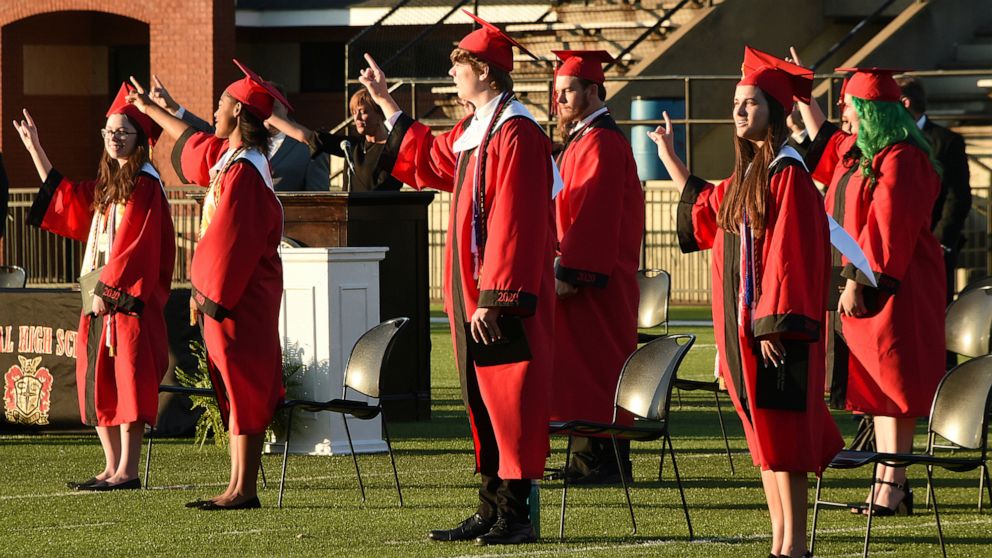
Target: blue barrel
[[649, 166]]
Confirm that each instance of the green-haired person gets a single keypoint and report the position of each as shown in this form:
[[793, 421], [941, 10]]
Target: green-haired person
[[882, 183]]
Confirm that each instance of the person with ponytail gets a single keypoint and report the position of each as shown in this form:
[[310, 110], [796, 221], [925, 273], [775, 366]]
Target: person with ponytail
[[883, 182], [122, 351], [236, 272], [770, 241]]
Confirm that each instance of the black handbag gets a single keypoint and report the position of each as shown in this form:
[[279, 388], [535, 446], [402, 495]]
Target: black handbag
[[87, 286], [511, 347], [783, 387]]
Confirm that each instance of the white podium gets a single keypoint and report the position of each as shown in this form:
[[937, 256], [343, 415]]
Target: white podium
[[330, 298]]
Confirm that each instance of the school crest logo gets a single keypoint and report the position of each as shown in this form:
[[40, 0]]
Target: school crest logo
[[27, 392]]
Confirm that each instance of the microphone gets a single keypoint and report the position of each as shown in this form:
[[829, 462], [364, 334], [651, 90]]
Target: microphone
[[346, 147]]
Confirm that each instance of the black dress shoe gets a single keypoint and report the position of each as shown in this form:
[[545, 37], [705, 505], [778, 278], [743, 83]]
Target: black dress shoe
[[249, 504], [570, 473], [103, 486], [76, 485], [505, 531], [465, 531]]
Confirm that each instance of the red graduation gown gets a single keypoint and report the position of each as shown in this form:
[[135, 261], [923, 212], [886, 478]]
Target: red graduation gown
[[516, 275], [134, 283], [896, 352], [600, 218], [792, 269], [237, 283]]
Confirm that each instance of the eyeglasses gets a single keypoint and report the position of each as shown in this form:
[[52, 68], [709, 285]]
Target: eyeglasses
[[118, 134]]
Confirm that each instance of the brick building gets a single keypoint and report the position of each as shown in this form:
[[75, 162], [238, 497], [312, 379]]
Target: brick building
[[65, 59]]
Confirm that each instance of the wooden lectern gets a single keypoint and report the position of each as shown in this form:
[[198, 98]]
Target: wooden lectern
[[397, 220]]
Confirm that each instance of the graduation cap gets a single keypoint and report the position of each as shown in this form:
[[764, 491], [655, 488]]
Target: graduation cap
[[120, 106], [780, 80], [585, 64], [872, 84], [256, 94], [491, 44]]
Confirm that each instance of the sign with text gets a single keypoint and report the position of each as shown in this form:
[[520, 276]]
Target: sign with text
[[38, 358]]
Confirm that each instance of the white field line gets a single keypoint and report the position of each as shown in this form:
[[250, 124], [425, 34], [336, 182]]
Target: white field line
[[673, 323], [51, 527], [273, 482], [729, 540]]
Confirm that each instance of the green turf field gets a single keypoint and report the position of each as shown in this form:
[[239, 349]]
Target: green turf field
[[323, 515]]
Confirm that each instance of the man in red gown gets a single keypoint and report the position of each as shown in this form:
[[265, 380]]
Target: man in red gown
[[600, 218], [499, 287]]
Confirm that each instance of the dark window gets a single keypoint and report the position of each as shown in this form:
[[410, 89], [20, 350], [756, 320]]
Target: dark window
[[321, 67], [126, 61]]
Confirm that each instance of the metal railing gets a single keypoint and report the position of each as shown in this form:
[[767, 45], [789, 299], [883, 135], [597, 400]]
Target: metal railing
[[52, 261]]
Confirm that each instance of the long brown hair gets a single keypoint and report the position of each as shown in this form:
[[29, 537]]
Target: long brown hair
[[115, 182], [748, 192]]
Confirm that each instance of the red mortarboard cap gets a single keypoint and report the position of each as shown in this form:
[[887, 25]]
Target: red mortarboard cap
[[843, 87], [491, 44], [256, 94], [120, 106], [781, 80], [585, 64], [872, 84]]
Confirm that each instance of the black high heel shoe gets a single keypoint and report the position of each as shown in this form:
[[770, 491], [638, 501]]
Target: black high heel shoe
[[904, 507]]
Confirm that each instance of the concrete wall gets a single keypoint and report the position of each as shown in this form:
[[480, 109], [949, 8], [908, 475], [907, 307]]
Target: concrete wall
[[714, 44], [924, 35]]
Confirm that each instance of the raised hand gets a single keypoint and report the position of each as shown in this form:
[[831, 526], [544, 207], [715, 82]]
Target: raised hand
[[160, 95], [664, 137], [28, 132], [794, 57], [374, 79], [139, 97]]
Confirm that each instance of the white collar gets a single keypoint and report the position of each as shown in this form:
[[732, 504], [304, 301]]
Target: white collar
[[275, 143], [582, 124], [253, 156], [486, 110], [787, 151], [149, 169], [473, 135], [922, 121], [800, 136]]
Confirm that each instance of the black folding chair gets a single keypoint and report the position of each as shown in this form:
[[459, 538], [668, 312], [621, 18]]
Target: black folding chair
[[362, 374], [968, 331], [12, 276], [960, 414], [189, 392], [655, 286], [968, 323], [652, 311], [644, 390]]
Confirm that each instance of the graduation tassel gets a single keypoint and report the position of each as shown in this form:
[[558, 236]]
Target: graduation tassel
[[111, 335]]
